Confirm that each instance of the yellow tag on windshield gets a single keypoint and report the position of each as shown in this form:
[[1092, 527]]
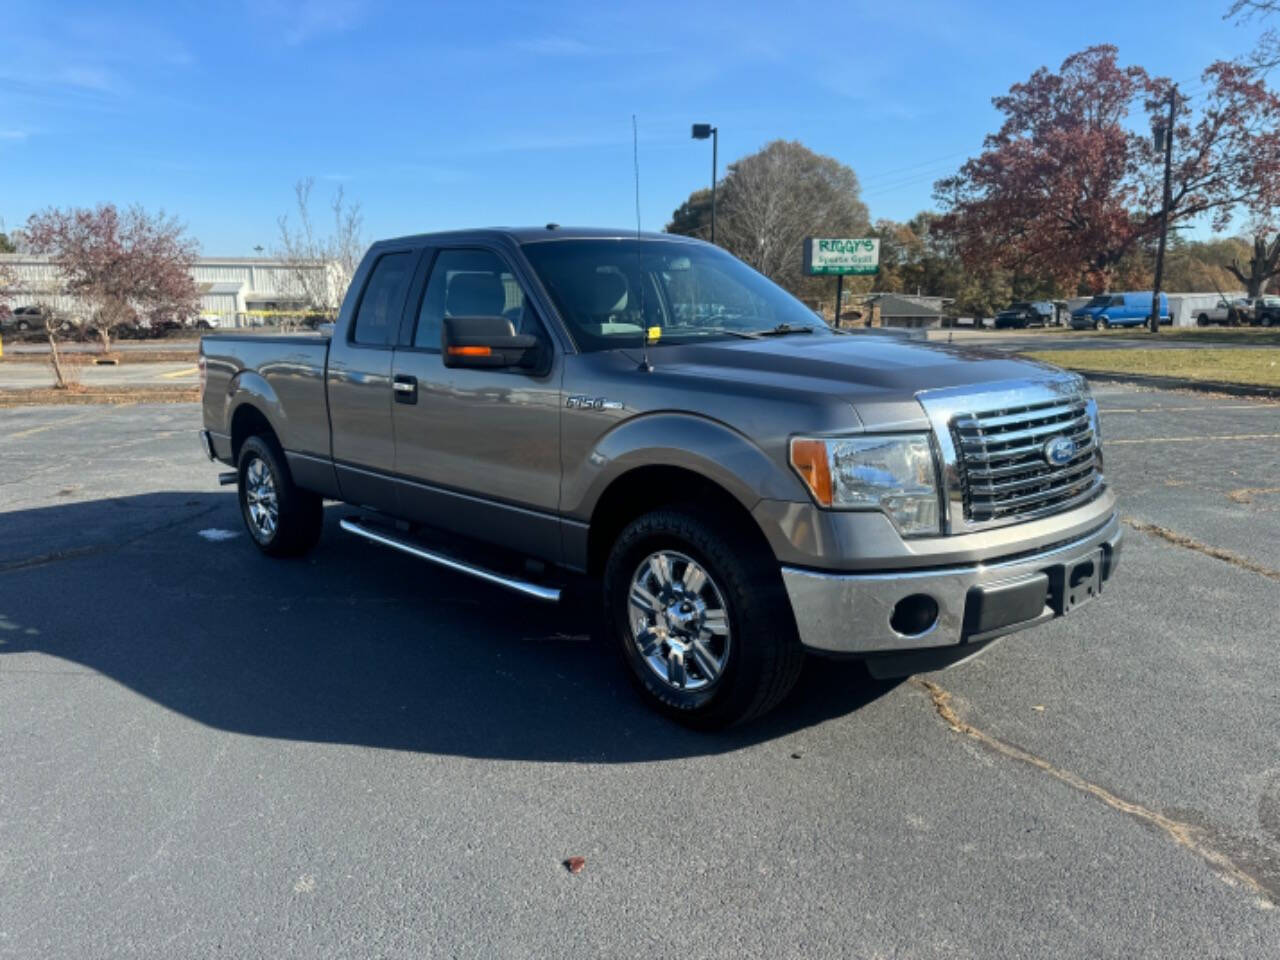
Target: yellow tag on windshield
[[655, 334]]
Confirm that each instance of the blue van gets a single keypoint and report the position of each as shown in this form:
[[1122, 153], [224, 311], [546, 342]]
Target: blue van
[[1118, 310]]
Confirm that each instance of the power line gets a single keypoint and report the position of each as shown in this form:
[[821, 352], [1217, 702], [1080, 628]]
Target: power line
[[914, 166]]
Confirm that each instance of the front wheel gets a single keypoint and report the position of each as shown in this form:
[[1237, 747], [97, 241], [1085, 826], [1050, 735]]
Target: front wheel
[[1105, 323], [700, 617], [283, 520]]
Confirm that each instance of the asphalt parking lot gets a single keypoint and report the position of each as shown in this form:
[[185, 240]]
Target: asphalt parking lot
[[203, 751]]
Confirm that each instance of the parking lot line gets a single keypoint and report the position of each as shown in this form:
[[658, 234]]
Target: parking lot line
[[1231, 436], [23, 434], [1269, 407], [190, 371]]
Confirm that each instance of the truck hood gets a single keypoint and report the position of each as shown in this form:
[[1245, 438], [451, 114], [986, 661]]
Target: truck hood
[[857, 365], [864, 369]]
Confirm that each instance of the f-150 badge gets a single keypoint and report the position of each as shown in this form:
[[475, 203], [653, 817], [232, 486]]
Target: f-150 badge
[[592, 403]]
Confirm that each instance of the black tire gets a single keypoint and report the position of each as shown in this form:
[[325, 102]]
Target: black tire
[[764, 655], [299, 514]]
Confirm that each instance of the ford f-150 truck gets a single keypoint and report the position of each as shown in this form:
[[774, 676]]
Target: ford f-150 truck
[[548, 407]]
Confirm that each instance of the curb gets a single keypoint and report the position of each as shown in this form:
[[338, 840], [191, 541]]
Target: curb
[[1179, 383]]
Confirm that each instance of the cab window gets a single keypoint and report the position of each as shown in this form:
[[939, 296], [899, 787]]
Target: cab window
[[378, 315], [471, 283]]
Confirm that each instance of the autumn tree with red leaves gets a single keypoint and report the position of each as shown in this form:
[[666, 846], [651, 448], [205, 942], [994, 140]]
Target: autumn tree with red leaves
[[124, 266], [1070, 185]]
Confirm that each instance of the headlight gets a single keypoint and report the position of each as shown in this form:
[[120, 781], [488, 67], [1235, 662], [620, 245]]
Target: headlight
[[890, 472]]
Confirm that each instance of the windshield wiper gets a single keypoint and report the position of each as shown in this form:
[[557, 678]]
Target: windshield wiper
[[782, 329], [744, 334]]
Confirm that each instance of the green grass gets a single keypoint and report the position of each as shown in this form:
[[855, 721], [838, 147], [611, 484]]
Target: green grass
[[1260, 336], [1245, 365]]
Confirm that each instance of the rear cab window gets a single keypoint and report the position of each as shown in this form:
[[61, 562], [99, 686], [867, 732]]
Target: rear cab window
[[378, 316]]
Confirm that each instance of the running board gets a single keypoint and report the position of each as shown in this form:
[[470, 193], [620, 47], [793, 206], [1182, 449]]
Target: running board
[[228, 477], [538, 592]]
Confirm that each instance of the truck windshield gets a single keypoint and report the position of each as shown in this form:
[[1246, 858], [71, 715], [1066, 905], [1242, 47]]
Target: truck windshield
[[1101, 300], [608, 291]]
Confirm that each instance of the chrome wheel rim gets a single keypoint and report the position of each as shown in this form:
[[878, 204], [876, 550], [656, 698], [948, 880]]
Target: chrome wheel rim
[[679, 621], [260, 499]]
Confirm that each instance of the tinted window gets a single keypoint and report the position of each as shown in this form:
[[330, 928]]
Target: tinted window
[[1117, 301], [379, 312], [608, 291], [470, 283]]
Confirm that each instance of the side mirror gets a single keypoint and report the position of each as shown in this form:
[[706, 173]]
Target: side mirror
[[488, 343]]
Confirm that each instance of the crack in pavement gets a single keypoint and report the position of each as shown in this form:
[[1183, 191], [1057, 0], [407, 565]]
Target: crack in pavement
[[1218, 553], [1246, 494], [1186, 835]]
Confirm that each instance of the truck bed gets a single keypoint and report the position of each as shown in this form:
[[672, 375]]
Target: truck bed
[[285, 376]]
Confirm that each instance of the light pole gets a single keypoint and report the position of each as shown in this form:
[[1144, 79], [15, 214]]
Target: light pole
[[700, 132]]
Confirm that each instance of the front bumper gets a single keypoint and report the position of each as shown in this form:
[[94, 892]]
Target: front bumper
[[876, 613]]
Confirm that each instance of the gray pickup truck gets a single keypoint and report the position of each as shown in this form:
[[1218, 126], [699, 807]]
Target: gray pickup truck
[[548, 407]]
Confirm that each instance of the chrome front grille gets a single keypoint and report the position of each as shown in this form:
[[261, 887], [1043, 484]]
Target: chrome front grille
[[1003, 463]]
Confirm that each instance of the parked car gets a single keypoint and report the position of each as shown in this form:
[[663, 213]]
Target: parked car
[[25, 318], [1118, 310], [1266, 311], [1227, 313], [542, 407], [1025, 313]]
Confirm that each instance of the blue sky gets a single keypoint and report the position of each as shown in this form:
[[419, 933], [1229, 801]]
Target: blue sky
[[439, 115]]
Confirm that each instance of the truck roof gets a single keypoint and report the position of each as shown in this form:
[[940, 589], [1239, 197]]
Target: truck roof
[[535, 235]]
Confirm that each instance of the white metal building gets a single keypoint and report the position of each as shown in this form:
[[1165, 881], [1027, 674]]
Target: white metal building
[[234, 291]]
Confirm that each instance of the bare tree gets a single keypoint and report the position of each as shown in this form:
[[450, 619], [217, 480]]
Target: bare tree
[[44, 296], [321, 265], [1261, 267], [1266, 53], [773, 199]]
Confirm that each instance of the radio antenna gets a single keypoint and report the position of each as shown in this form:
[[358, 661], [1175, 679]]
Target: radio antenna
[[645, 365], [635, 160]]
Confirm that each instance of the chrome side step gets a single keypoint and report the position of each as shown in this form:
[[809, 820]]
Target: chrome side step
[[538, 592]]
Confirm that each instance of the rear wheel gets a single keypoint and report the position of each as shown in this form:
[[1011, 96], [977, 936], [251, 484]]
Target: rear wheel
[[282, 519], [700, 617]]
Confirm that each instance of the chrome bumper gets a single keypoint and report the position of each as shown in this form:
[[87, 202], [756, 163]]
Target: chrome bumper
[[880, 612]]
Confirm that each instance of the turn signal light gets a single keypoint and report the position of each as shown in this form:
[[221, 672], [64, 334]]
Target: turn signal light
[[809, 457], [470, 351]]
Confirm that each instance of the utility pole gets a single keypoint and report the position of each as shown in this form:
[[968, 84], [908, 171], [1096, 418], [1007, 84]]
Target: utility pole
[[1164, 210]]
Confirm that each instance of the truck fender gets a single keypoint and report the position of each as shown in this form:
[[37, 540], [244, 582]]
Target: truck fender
[[669, 439], [251, 388]]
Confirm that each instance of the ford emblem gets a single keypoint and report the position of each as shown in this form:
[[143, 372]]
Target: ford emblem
[[1059, 451]]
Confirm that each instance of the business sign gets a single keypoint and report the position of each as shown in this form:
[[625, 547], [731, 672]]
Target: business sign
[[841, 257]]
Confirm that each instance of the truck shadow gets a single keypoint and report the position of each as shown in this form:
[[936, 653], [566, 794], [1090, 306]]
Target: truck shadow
[[354, 644]]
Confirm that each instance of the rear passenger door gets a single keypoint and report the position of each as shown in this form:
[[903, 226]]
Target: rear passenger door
[[477, 451], [359, 379]]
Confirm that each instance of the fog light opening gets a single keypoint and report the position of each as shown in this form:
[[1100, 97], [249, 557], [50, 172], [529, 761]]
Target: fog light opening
[[914, 615]]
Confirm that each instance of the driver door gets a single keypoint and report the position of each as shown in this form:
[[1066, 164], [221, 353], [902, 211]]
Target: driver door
[[477, 450]]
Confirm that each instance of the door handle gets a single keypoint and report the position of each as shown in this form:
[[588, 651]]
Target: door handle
[[405, 387]]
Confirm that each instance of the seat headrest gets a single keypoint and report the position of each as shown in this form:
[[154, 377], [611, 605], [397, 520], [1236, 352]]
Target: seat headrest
[[610, 293], [475, 295]]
